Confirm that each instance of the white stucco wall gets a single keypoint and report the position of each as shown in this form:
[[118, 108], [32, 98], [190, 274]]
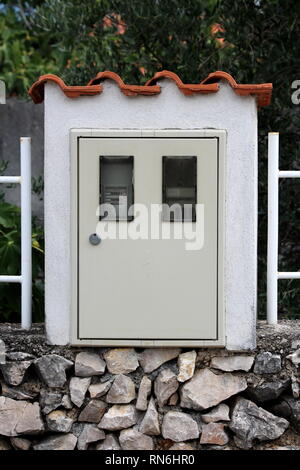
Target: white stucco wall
[[170, 109]]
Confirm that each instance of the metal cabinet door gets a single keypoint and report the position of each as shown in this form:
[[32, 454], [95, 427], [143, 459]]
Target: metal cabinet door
[[146, 291]]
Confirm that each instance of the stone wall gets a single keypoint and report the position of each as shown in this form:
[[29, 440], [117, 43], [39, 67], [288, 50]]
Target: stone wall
[[56, 397]]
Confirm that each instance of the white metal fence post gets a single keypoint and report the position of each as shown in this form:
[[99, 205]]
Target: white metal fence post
[[25, 278], [273, 207], [272, 266], [26, 232]]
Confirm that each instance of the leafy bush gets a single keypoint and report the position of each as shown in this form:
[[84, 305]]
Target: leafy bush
[[25, 53]]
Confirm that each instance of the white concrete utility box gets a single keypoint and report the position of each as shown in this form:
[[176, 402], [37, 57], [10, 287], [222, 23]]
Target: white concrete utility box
[[150, 211]]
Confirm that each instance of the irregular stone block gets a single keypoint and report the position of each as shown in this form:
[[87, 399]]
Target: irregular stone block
[[52, 369], [121, 391], [77, 428], [289, 408], [61, 442], [232, 363], [19, 443], [173, 400], [66, 402], [179, 426], [249, 423], [78, 389], [186, 365], [100, 389], [150, 422], [151, 359], [30, 422], [121, 360], [220, 413], [213, 433], [267, 363], [14, 372], [93, 411], [19, 356], [119, 417], [18, 393], [294, 357], [110, 443], [89, 364], [19, 417], [90, 433], [131, 439], [58, 421], [165, 385], [295, 344], [50, 400], [207, 389], [143, 394], [295, 385], [4, 445], [268, 390]]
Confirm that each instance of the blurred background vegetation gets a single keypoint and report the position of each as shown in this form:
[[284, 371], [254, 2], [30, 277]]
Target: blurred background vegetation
[[254, 40]]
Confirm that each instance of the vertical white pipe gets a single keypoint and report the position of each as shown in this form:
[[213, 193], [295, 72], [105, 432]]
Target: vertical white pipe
[[26, 248], [272, 261]]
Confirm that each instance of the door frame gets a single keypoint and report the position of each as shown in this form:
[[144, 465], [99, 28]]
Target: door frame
[[75, 135]]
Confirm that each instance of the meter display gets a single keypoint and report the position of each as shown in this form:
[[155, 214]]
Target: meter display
[[116, 187], [179, 188]]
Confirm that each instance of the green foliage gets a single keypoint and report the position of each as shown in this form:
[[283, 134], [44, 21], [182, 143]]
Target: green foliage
[[38, 186], [25, 53], [10, 263], [132, 38]]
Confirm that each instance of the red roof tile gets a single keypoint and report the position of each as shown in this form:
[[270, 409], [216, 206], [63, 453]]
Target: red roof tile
[[129, 90], [210, 84], [263, 91], [36, 90]]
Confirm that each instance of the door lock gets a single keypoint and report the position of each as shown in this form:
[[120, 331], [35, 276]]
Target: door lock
[[94, 239]]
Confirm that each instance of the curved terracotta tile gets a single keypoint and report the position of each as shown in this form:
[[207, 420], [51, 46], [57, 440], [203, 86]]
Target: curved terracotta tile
[[187, 89], [129, 90], [210, 84], [263, 91], [36, 91]]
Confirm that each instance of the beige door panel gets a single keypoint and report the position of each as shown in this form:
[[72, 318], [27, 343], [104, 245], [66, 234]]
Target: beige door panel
[[140, 292]]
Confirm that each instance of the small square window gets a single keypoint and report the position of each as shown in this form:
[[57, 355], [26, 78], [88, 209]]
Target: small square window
[[179, 188]]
